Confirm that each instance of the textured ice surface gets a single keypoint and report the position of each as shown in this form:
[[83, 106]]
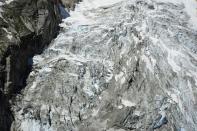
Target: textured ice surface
[[190, 8], [117, 65]]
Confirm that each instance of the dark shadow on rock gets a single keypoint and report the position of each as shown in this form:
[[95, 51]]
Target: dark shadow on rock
[[63, 12], [6, 116]]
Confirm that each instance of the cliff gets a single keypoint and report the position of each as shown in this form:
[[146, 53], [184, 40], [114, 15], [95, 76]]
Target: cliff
[[26, 28]]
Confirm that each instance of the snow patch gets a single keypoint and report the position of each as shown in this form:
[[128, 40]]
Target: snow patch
[[174, 97], [37, 59], [33, 125], [9, 36], [1, 3], [8, 1], [149, 65], [80, 16], [33, 85], [119, 76], [128, 103], [1, 10], [95, 112]]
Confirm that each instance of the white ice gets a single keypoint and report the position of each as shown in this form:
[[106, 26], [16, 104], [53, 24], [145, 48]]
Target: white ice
[[190, 8]]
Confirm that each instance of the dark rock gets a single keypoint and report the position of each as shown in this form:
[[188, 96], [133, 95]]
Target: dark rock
[[5, 113], [151, 7], [29, 29]]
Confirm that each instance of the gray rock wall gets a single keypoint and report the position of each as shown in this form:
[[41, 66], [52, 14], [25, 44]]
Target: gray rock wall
[[26, 28]]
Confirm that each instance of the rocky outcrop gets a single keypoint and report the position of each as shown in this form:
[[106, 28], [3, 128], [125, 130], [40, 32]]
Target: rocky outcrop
[[123, 65], [26, 28]]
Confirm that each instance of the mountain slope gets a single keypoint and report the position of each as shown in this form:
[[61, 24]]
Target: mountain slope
[[117, 65]]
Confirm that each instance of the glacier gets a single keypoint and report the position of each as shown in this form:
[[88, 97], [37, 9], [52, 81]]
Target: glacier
[[117, 65]]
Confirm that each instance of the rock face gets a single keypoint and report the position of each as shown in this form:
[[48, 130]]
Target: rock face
[[116, 66], [26, 28]]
